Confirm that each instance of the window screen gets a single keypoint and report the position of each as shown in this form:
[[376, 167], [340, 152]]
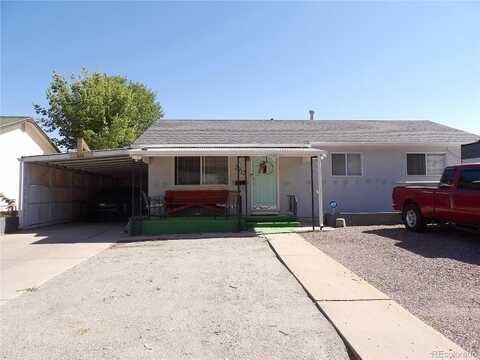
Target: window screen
[[211, 170], [354, 164], [470, 179], [435, 164], [215, 170], [338, 165], [416, 164], [187, 170]]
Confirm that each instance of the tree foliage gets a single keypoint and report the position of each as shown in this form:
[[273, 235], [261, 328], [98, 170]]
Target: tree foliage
[[107, 111]]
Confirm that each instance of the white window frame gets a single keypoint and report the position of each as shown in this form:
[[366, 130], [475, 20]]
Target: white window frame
[[346, 164], [201, 172], [426, 161]]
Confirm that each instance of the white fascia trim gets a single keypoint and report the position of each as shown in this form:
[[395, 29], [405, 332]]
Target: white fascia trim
[[223, 146], [74, 155], [353, 144], [139, 153]]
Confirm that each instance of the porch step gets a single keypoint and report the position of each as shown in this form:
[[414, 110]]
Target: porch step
[[269, 218], [277, 224]]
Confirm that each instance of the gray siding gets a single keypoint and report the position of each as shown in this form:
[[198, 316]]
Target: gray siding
[[383, 168]]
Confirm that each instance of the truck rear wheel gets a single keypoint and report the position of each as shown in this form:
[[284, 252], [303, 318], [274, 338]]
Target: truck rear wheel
[[412, 218]]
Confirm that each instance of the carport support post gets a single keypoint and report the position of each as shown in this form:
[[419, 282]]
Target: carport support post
[[140, 190], [133, 191], [320, 191], [20, 193], [239, 199]]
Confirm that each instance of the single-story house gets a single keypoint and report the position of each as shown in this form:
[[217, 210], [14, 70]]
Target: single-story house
[[273, 165], [471, 152], [19, 136]]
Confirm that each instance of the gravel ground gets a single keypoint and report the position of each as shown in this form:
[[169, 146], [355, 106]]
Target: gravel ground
[[435, 275], [219, 298]]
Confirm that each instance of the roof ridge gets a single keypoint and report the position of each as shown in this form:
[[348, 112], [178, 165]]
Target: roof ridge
[[300, 120]]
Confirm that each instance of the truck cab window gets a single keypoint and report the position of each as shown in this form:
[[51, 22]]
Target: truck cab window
[[447, 178], [470, 179]]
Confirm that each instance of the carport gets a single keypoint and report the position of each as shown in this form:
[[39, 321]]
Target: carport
[[60, 188]]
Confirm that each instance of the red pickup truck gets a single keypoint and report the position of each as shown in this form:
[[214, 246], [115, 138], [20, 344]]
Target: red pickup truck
[[455, 200]]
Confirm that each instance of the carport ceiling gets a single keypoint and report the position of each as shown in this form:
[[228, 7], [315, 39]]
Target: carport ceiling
[[111, 165]]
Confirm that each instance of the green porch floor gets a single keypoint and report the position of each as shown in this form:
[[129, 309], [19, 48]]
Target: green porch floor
[[191, 225], [272, 224]]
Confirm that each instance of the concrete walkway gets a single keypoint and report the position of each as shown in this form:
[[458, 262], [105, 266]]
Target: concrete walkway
[[30, 258], [374, 326]]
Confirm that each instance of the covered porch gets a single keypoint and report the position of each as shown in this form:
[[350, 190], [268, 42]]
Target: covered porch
[[238, 185]]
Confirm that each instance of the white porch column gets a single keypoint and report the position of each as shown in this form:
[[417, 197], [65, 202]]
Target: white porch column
[[320, 191]]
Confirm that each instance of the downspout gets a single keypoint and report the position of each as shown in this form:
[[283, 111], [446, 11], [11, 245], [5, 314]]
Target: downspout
[[312, 192], [320, 191]]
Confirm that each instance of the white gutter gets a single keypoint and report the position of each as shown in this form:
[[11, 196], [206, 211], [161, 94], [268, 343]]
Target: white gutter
[[202, 146], [363, 143], [139, 153]]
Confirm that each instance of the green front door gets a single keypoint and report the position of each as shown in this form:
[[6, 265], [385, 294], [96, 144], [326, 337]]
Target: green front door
[[264, 184]]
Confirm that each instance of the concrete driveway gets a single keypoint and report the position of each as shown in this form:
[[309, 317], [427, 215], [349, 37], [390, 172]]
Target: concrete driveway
[[30, 258], [206, 298]]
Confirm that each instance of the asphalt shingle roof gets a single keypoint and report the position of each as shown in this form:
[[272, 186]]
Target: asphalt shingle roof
[[300, 132], [8, 120]]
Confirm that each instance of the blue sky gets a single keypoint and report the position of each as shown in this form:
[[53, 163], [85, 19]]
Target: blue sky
[[345, 60]]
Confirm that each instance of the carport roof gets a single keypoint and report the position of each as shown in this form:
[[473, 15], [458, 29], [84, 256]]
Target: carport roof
[[105, 162], [111, 162]]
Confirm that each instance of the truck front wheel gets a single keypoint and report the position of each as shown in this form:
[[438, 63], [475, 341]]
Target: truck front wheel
[[412, 218]]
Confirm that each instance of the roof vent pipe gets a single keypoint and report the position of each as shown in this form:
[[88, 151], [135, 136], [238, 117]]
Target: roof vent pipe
[[312, 113]]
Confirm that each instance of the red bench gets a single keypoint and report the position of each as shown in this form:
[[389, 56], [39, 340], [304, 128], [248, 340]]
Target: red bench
[[215, 201]]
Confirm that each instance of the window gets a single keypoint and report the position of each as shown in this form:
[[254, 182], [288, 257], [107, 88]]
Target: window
[[425, 164], [215, 170], [470, 179], [447, 178], [347, 164], [416, 164], [339, 167], [187, 171], [195, 170], [435, 164]]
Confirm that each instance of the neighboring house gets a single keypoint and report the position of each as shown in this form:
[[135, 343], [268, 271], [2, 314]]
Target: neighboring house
[[19, 136], [277, 160], [471, 153]]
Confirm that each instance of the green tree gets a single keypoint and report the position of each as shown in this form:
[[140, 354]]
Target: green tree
[[107, 111]]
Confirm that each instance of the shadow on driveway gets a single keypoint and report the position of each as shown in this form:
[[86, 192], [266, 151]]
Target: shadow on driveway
[[194, 236], [74, 233], [436, 242]]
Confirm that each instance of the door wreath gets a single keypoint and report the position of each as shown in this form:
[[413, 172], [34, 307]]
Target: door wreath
[[265, 167]]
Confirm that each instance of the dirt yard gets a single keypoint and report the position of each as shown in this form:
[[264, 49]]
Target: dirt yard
[[435, 275]]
